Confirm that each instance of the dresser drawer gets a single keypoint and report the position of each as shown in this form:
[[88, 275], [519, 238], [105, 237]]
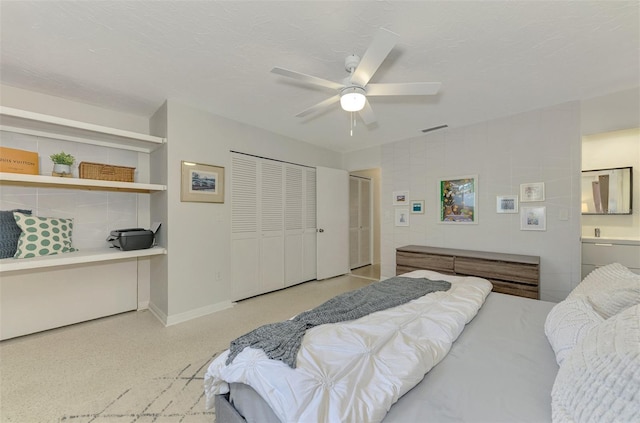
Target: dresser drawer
[[600, 254], [416, 261], [506, 271], [511, 288]]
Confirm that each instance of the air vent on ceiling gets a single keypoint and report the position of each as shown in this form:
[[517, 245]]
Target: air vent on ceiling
[[435, 128]]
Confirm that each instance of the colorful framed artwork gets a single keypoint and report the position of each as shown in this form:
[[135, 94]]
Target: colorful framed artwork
[[400, 198], [507, 204], [532, 192], [533, 219], [202, 183], [458, 199], [402, 217], [417, 206]]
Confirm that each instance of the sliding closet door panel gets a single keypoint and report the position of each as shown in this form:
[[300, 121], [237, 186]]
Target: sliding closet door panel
[[310, 235], [333, 222], [294, 230], [245, 245], [272, 223]]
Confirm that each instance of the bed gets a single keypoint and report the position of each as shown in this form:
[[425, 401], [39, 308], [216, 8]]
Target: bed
[[513, 361]]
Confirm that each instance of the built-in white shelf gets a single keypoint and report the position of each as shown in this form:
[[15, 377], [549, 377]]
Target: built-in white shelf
[[76, 257], [38, 124], [77, 183]]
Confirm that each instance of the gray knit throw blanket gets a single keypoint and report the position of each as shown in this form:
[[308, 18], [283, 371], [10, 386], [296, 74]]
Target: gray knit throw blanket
[[282, 340]]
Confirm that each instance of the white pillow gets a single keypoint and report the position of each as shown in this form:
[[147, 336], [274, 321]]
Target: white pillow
[[610, 289], [599, 380], [567, 323]]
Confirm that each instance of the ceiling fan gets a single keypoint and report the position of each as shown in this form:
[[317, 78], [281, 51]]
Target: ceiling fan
[[355, 88]]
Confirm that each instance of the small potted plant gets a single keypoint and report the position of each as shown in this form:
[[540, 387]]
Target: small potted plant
[[62, 163]]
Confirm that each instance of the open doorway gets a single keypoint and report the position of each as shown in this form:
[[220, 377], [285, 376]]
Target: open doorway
[[364, 223]]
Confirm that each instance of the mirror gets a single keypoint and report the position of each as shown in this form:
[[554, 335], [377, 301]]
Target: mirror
[[606, 191]]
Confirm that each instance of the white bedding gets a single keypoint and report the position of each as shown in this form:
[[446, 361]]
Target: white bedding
[[355, 371]]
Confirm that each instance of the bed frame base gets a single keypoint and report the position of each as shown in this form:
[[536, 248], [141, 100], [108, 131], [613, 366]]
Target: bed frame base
[[225, 412]]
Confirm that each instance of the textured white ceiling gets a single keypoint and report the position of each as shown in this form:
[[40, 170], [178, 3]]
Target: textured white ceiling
[[493, 58]]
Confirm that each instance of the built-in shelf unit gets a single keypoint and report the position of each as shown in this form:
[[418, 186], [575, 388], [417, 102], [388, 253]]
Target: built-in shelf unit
[[80, 285], [38, 124]]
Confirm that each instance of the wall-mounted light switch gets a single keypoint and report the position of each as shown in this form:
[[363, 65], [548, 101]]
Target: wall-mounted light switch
[[563, 214]]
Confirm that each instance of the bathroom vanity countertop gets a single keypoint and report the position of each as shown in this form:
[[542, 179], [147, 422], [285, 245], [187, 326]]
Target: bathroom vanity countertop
[[611, 240]]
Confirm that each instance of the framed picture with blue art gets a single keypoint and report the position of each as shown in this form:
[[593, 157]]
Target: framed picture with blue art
[[417, 206], [507, 204], [202, 183], [458, 200]]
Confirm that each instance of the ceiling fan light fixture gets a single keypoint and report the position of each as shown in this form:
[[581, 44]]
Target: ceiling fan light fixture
[[352, 99]]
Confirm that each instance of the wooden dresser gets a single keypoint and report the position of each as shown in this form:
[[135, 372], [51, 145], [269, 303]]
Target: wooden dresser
[[509, 273]]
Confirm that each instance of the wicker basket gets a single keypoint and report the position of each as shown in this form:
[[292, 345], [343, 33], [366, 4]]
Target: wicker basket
[[106, 172]]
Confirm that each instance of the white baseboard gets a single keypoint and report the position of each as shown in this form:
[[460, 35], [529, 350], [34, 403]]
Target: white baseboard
[[158, 313], [188, 315]]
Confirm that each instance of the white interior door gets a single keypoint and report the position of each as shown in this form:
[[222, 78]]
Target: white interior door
[[359, 222], [354, 222], [364, 230], [333, 222]]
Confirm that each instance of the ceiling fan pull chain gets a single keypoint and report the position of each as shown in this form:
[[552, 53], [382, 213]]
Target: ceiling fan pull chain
[[351, 121]]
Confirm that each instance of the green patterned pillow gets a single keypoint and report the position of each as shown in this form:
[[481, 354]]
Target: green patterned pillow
[[43, 236]]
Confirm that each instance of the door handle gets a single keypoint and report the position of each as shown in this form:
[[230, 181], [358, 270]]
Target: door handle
[[321, 230]]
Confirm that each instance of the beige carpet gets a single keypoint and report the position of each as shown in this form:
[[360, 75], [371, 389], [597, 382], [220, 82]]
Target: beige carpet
[[129, 367], [175, 397]]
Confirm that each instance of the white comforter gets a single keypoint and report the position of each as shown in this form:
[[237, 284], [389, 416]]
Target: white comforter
[[354, 371]]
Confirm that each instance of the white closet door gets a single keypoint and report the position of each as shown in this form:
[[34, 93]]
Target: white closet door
[[333, 222], [310, 235], [245, 246], [272, 225], [294, 224]]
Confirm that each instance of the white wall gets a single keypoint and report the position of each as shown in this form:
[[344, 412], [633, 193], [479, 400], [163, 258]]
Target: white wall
[[610, 150], [198, 271], [538, 146]]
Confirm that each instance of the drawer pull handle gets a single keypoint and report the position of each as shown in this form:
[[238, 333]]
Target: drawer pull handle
[[604, 245]]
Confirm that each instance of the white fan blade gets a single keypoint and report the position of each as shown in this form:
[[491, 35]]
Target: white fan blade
[[380, 47], [322, 105], [367, 114], [308, 78], [409, 88]]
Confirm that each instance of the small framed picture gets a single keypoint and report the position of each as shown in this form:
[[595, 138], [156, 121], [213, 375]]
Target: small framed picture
[[402, 217], [533, 219], [400, 198], [417, 206], [532, 192], [202, 183], [507, 204]]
